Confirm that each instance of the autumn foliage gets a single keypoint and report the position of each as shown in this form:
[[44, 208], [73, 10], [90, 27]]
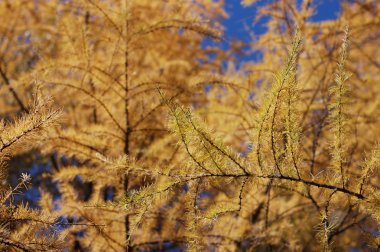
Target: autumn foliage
[[134, 129]]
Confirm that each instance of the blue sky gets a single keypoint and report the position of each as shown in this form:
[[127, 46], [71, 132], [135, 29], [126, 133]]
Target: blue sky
[[241, 16], [326, 9]]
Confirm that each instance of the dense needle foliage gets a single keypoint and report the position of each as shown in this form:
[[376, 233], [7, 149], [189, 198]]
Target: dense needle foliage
[[144, 135]]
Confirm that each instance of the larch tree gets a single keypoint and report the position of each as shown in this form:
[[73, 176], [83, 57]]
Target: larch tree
[[26, 118], [22, 228], [112, 58], [162, 145]]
